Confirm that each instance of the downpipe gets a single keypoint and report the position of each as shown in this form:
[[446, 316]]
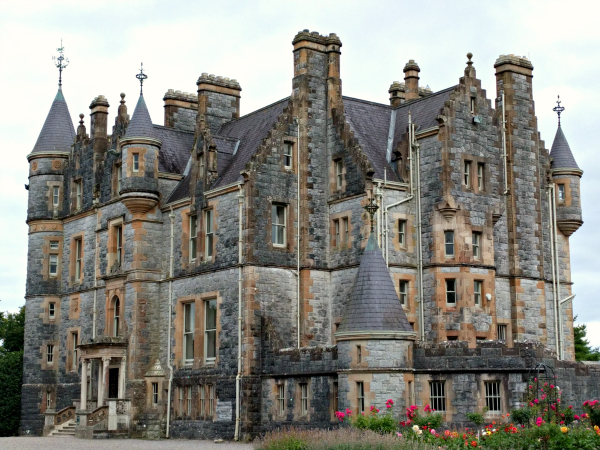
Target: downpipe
[[238, 378], [169, 365]]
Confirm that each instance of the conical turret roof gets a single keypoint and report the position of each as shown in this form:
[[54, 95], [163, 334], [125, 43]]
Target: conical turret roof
[[58, 132], [562, 157], [374, 305], [141, 123]]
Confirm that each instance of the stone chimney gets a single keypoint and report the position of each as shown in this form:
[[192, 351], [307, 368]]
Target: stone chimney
[[99, 114], [218, 99], [411, 80]]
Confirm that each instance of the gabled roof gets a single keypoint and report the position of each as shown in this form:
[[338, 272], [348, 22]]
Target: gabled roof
[[58, 132], [374, 305], [562, 157], [370, 123], [141, 123], [176, 148], [250, 129]]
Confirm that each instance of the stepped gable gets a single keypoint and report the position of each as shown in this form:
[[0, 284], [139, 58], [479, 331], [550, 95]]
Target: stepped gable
[[423, 111], [175, 150], [250, 130], [374, 305], [141, 123], [58, 132], [370, 123], [562, 157]]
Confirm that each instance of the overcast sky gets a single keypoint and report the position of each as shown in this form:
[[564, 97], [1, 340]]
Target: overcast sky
[[251, 41]]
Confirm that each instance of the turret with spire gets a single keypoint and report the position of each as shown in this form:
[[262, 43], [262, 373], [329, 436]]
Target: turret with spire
[[566, 176], [374, 334], [139, 152]]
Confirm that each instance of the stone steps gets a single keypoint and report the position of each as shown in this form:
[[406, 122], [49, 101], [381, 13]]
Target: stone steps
[[65, 430]]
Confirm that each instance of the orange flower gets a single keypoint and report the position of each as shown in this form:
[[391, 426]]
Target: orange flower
[[473, 443]]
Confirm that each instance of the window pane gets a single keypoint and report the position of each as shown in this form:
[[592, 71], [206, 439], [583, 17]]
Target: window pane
[[211, 314], [449, 243]]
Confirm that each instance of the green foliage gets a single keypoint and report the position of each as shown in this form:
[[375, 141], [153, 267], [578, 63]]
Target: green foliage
[[476, 418], [11, 379], [429, 420], [12, 330], [520, 416], [583, 351], [379, 423]]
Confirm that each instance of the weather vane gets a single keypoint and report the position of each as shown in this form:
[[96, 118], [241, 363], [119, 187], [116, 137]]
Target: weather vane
[[558, 109], [61, 62], [141, 76], [372, 209]]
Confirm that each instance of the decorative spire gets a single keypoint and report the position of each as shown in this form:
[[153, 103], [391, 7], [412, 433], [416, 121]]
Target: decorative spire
[[372, 209], [558, 109], [61, 62], [141, 76]]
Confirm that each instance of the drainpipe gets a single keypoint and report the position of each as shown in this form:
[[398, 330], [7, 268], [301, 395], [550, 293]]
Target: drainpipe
[[297, 120], [379, 200], [504, 144], [557, 267], [419, 240], [172, 217], [238, 378], [411, 193], [552, 241]]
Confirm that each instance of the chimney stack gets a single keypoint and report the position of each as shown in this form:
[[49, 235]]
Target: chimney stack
[[218, 99], [411, 80], [99, 114]]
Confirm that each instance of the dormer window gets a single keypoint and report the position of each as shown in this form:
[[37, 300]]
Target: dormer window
[[288, 151]]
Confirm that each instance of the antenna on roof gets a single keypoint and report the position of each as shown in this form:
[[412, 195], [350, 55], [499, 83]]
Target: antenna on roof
[[61, 62], [558, 109], [141, 76]]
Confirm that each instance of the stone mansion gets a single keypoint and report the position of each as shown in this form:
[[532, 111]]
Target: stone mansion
[[218, 275]]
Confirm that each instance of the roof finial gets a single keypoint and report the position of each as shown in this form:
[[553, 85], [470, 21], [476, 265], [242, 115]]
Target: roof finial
[[469, 55], [558, 109], [61, 62], [372, 209], [141, 76]]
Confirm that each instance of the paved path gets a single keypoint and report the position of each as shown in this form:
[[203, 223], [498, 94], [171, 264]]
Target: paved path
[[56, 443]]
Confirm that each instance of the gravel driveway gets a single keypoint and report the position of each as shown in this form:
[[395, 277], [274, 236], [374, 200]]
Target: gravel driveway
[[60, 443]]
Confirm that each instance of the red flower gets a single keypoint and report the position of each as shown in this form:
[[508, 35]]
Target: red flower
[[473, 443]]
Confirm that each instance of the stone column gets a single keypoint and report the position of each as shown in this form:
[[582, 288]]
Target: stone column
[[100, 386], [122, 378], [84, 367], [105, 363]]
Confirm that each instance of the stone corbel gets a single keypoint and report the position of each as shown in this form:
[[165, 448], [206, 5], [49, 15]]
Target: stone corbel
[[447, 208]]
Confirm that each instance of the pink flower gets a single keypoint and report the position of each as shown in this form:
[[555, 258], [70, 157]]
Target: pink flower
[[531, 404], [399, 434], [536, 401], [553, 407], [372, 408], [576, 417], [570, 406], [432, 431], [584, 416], [530, 387], [558, 400], [535, 379], [348, 411], [585, 403], [388, 406], [551, 386]]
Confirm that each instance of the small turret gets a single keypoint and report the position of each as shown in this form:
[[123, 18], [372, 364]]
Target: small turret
[[140, 147], [566, 175]]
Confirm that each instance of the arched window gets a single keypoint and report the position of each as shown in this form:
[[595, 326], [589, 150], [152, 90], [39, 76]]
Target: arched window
[[116, 316]]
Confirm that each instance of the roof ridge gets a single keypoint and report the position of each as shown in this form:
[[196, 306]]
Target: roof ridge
[[365, 101], [418, 100], [256, 111], [162, 127]]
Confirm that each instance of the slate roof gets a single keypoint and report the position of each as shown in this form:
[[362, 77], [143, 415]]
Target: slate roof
[[181, 191], [58, 132], [423, 111], [176, 148], [562, 157], [370, 123], [141, 123], [374, 305], [250, 129]]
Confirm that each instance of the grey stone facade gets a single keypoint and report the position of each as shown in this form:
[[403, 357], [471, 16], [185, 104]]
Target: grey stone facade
[[279, 353]]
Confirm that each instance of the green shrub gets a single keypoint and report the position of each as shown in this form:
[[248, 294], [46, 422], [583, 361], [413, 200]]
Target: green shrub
[[477, 418], [520, 416], [11, 378]]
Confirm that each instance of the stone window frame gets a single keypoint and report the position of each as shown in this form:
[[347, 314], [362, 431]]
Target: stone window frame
[[185, 238], [507, 323], [116, 182], [199, 348], [72, 351], [45, 365], [188, 307], [334, 398], [280, 409], [48, 251], [360, 397], [208, 218], [211, 404], [77, 237], [560, 193], [303, 395], [446, 244], [337, 161], [479, 235], [409, 244], [291, 145], [113, 241], [141, 152], [201, 401], [501, 395], [51, 311], [154, 394], [45, 306], [344, 217], [189, 403], [51, 187], [467, 181], [447, 291], [76, 194], [275, 212], [135, 162], [438, 395], [481, 292], [475, 162], [192, 237], [406, 284]]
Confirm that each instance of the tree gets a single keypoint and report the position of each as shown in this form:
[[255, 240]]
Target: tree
[[12, 330], [583, 351], [12, 337]]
